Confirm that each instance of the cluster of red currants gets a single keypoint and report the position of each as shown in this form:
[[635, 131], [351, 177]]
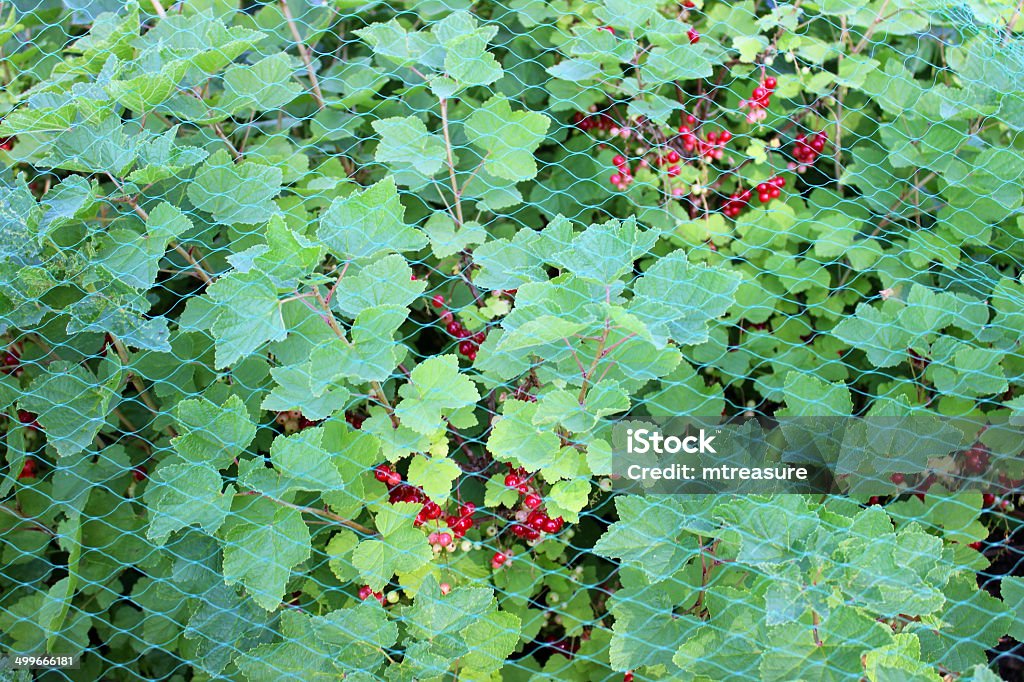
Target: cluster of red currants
[[365, 592], [766, 191], [400, 491], [760, 100], [463, 520], [500, 559], [292, 421], [11, 363], [711, 148], [807, 150], [469, 342], [670, 160], [531, 521], [976, 460], [623, 176], [770, 189], [601, 125]]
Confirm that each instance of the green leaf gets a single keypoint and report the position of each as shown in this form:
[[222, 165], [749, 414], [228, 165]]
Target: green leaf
[[467, 61], [677, 300], [263, 541], [515, 439], [72, 198], [301, 654], [385, 281], [223, 624], [508, 139], [392, 41], [876, 333], [286, 257], [302, 462], [264, 86], [648, 536], [399, 549], [628, 15], [568, 498], [235, 193], [183, 495], [447, 240], [808, 396], [440, 619], [93, 146], [564, 407], [772, 530], [213, 434], [248, 315], [406, 143], [294, 392], [360, 635], [676, 62], [368, 223], [161, 158], [434, 475], [372, 354], [135, 258], [435, 390], [494, 638], [1013, 596], [606, 252], [72, 403]]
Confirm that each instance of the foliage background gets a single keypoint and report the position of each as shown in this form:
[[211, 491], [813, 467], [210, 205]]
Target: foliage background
[[224, 228]]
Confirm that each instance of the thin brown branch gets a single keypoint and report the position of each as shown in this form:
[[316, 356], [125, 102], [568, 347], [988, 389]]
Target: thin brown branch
[[304, 53]]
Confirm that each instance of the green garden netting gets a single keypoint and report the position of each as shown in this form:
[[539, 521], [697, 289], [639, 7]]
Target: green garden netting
[[319, 318]]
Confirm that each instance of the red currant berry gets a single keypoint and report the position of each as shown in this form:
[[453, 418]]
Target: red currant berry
[[382, 472], [693, 36], [28, 469], [976, 460], [628, 677], [672, 157], [532, 501], [975, 546], [395, 478], [466, 347], [445, 588], [770, 83], [987, 500], [619, 160], [898, 479], [471, 356], [479, 338], [467, 509], [7, 143], [673, 171], [498, 560], [364, 592], [139, 473], [437, 301], [513, 481]]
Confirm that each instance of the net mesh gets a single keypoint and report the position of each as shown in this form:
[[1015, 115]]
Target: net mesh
[[317, 318]]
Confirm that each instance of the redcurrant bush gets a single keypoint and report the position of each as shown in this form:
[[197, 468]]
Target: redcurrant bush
[[319, 318]]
